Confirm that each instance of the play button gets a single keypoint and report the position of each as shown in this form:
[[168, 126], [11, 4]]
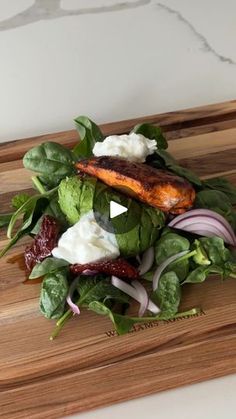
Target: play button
[[114, 210]]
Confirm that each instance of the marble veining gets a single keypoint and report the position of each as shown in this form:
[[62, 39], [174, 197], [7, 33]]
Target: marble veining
[[205, 44], [51, 9]]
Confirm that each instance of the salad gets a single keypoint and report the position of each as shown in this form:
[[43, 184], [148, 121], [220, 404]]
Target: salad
[[178, 228]]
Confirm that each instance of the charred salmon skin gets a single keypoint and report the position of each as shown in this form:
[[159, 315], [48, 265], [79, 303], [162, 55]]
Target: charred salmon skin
[[158, 188]]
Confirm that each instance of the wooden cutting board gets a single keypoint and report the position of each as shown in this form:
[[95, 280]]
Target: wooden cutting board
[[88, 365]]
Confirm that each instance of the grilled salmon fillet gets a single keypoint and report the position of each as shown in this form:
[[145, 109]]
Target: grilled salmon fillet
[[158, 188]]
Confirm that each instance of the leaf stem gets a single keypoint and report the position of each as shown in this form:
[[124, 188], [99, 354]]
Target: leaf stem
[[187, 256], [60, 323], [188, 313], [66, 316], [38, 184]]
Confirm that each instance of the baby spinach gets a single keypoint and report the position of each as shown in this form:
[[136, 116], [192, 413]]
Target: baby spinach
[[200, 257], [217, 201], [53, 209], [53, 294], [168, 294], [169, 245], [153, 133], [98, 288], [223, 185], [123, 324], [215, 249], [47, 266], [89, 134], [161, 159], [75, 197], [29, 212], [201, 273], [230, 268], [35, 204], [51, 160], [213, 258]]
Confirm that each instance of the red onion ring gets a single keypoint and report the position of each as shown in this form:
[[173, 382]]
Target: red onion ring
[[147, 261], [201, 223], [143, 295], [209, 216], [132, 292], [163, 265], [74, 308]]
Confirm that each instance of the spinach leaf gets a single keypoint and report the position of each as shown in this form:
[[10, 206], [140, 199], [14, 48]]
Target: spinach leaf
[[218, 202], [223, 185], [50, 181], [51, 160], [213, 258], [5, 219], [168, 294], [98, 288], [123, 324], [216, 250], [169, 245], [31, 211], [19, 199], [201, 257], [200, 274], [161, 159], [53, 294], [153, 133], [230, 269], [34, 206], [89, 134], [76, 197], [53, 209], [47, 266]]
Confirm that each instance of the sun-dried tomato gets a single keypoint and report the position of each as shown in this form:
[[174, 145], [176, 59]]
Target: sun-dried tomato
[[43, 243], [119, 267]]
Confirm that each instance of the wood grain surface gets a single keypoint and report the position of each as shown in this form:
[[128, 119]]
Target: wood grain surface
[[88, 365]]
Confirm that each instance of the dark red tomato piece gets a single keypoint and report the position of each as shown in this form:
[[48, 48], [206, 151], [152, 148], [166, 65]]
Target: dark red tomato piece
[[44, 242], [118, 267]]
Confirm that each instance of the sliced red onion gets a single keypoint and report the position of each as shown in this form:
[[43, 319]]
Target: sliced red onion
[[74, 308], [138, 259], [205, 223], [210, 217], [147, 261], [206, 229], [143, 295], [132, 292], [162, 267]]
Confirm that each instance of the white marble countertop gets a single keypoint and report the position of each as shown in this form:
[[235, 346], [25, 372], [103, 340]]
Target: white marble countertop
[[114, 60]]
